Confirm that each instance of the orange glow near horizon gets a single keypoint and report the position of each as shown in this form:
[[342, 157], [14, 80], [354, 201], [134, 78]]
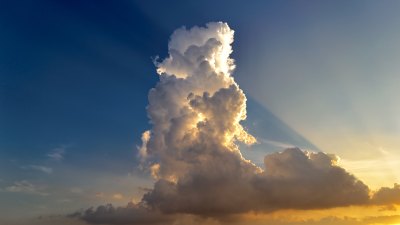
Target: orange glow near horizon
[[371, 215]]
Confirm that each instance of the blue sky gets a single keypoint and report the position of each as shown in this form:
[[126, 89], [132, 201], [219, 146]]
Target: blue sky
[[74, 80]]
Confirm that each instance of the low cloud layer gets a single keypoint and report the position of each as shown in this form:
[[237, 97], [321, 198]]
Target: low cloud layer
[[292, 179], [192, 152]]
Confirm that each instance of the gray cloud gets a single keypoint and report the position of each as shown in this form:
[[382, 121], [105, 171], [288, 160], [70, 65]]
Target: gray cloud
[[292, 179], [386, 195]]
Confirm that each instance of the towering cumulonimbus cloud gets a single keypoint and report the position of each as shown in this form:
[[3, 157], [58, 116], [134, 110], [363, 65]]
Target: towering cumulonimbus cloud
[[192, 152], [196, 110], [196, 107]]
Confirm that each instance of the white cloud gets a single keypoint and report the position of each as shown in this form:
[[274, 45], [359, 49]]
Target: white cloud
[[196, 107], [142, 154], [192, 149], [196, 110]]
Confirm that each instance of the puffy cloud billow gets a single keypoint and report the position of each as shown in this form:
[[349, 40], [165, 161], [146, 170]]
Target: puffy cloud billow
[[192, 152]]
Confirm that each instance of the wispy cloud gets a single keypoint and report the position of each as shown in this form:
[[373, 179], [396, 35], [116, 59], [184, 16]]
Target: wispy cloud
[[276, 143], [76, 190], [117, 196], [40, 168], [99, 195], [57, 154], [27, 187]]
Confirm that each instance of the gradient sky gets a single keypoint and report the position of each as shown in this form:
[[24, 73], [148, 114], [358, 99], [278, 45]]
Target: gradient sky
[[74, 80]]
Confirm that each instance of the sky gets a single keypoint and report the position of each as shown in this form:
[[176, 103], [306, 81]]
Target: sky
[[168, 109]]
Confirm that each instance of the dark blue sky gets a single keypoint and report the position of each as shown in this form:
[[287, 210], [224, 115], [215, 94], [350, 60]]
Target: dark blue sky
[[75, 74], [78, 73]]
